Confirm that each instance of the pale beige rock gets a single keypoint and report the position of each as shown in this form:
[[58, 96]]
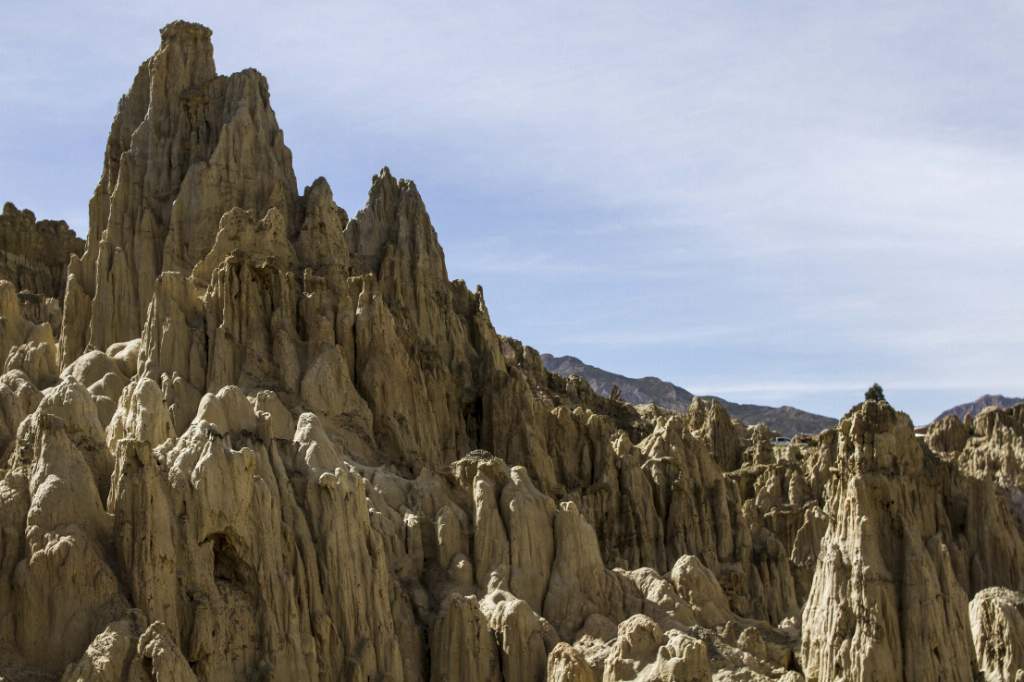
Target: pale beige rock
[[126, 355], [105, 378], [284, 446], [490, 538], [269, 407], [141, 415], [991, 447], [36, 359], [528, 515], [644, 653], [452, 535], [566, 664], [110, 656], [885, 603], [522, 636], [18, 398], [580, 585], [947, 434], [463, 646], [162, 657], [61, 586], [997, 626], [16, 330], [34, 254], [180, 154], [696, 584], [41, 309]]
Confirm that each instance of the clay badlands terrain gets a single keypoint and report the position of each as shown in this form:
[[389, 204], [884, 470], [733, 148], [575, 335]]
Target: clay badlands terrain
[[250, 437]]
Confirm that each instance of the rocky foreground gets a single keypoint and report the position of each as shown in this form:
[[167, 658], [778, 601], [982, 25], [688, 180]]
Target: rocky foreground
[[267, 441]]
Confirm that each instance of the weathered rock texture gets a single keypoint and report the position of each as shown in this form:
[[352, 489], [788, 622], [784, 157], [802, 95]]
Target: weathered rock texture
[[34, 257], [186, 146], [34, 254], [280, 444]]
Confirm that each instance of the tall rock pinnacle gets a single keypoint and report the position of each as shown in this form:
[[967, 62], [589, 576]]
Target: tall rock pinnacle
[[186, 145]]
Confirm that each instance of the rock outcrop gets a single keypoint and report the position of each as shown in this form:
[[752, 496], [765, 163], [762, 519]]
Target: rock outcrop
[[34, 253], [885, 602], [997, 624], [27, 346], [989, 446], [186, 146], [275, 442], [34, 257]]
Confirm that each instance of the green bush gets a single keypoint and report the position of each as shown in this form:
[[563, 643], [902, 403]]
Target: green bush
[[874, 393]]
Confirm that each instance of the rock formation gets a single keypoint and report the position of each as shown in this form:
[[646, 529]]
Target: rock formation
[[186, 146], [275, 442], [34, 254], [34, 257]]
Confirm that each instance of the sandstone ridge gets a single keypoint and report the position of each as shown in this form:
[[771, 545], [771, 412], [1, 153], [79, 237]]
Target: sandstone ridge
[[276, 442]]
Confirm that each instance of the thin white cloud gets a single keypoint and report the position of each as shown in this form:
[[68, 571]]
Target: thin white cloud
[[631, 338], [825, 186]]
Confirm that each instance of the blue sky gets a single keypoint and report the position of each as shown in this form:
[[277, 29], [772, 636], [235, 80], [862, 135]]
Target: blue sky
[[775, 202]]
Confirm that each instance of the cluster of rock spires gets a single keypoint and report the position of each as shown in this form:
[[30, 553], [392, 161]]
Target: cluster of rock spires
[[276, 443]]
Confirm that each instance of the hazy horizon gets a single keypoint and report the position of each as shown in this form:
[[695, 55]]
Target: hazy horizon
[[774, 205]]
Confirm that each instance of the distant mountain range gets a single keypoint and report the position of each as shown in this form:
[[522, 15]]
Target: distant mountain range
[[785, 420], [980, 404]]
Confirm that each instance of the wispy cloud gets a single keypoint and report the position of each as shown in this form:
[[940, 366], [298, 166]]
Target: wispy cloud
[[633, 338], [731, 189]]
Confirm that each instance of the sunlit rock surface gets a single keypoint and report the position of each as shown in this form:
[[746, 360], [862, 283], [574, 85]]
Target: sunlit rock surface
[[275, 442]]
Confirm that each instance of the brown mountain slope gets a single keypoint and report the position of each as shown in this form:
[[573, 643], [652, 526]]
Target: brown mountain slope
[[785, 420], [975, 407]]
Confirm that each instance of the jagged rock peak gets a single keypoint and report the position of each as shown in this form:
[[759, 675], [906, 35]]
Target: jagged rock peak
[[186, 146], [181, 30], [191, 44], [394, 215], [890, 592]]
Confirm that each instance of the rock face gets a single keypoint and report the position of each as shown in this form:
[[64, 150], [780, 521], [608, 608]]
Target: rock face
[[186, 146], [34, 254], [885, 602], [275, 442], [997, 624], [989, 446], [787, 421], [34, 258]]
